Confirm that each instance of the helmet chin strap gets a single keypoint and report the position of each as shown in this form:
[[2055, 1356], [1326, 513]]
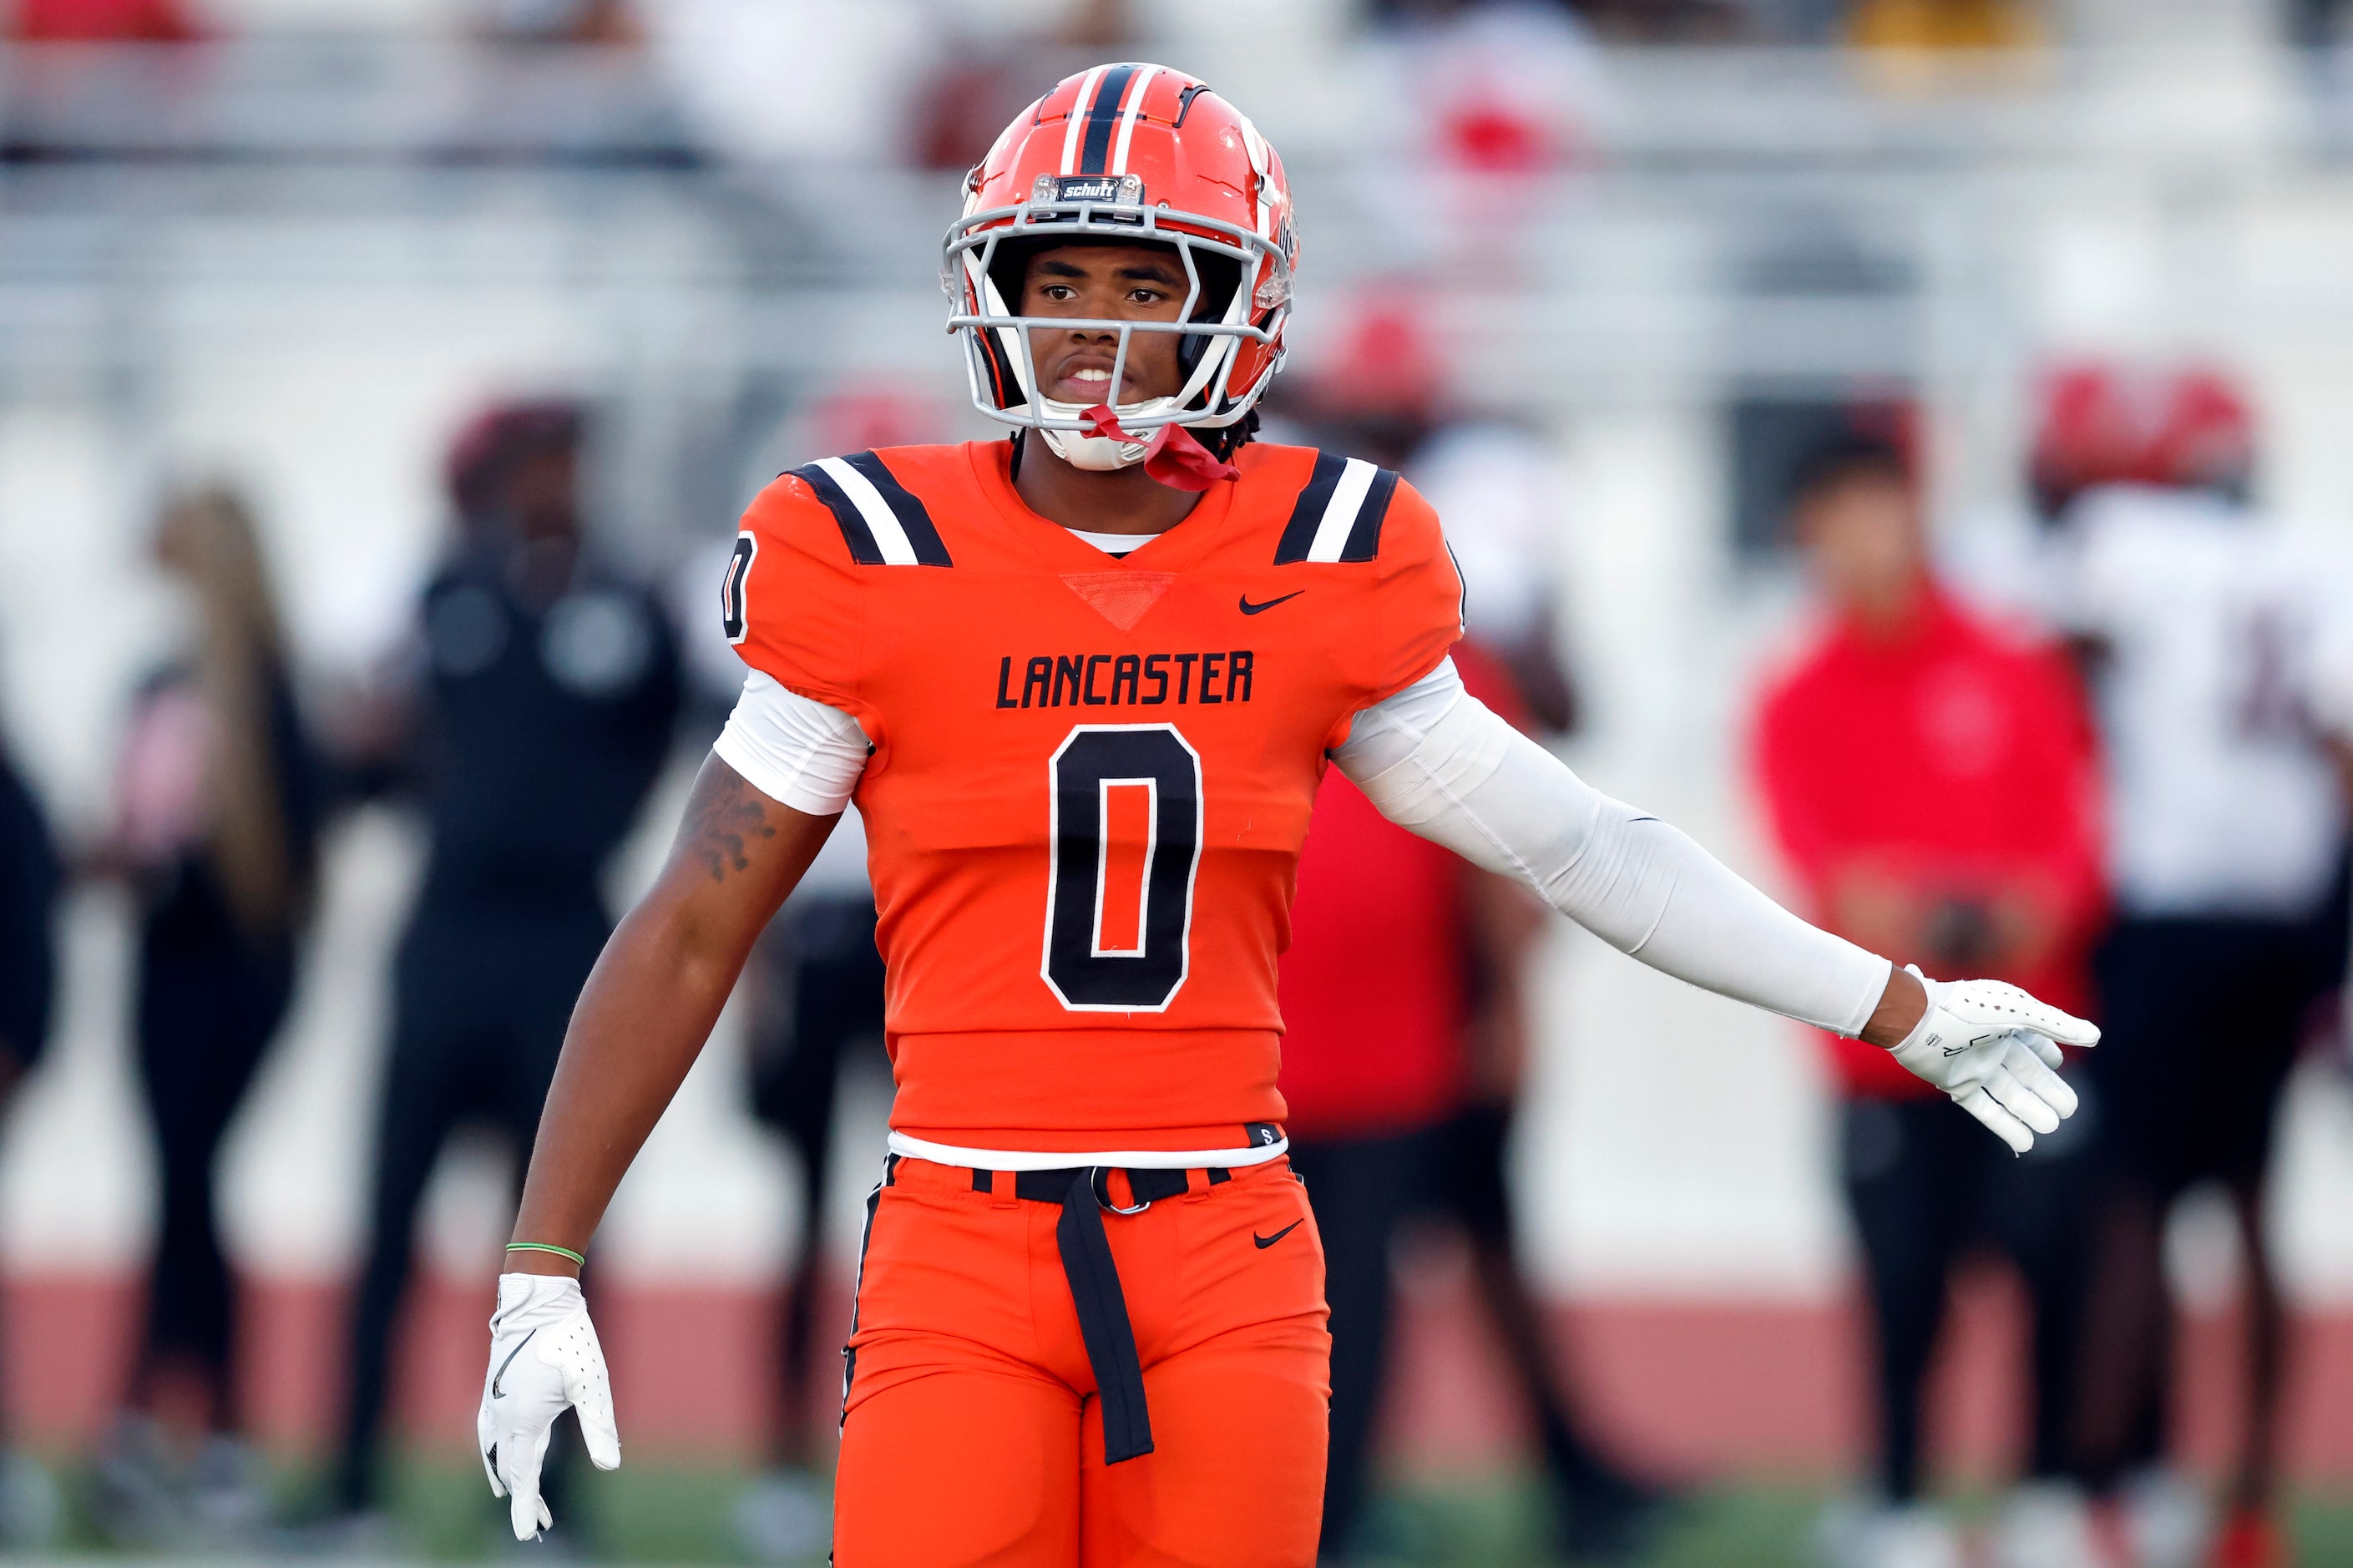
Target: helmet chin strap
[[1172, 456]]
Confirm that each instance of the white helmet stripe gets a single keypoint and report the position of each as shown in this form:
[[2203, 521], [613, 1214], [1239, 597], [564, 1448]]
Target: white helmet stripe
[[1071, 127], [891, 539], [1127, 121], [1255, 146]]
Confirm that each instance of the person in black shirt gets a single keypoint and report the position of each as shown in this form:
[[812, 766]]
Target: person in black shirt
[[216, 837], [29, 881], [548, 693]]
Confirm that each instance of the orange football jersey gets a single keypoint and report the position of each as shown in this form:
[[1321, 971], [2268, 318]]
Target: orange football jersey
[[1091, 776]]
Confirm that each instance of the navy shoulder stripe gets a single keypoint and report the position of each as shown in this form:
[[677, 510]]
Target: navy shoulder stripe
[[1365, 533], [1339, 512], [845, 515], [882, 522]]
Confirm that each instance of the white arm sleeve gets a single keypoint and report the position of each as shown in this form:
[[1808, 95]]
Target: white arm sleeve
[[792, 750], [1433, 759]]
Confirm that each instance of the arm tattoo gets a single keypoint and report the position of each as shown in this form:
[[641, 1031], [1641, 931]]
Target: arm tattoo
[[724, 814]]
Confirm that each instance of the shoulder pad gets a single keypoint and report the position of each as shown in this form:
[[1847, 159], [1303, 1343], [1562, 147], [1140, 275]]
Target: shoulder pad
[[1338, 514], [882, 522]]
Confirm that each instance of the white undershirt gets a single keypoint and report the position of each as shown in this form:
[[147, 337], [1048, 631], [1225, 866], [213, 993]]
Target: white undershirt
[[1114, 544], [1436, 761]]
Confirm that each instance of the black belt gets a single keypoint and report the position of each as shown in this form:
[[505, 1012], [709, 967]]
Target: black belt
[[1084, 1192]]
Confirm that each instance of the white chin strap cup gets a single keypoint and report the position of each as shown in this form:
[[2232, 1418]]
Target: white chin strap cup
[[1099, 454]]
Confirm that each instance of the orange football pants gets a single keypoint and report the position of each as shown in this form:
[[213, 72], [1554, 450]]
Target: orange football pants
[[972, 1430]]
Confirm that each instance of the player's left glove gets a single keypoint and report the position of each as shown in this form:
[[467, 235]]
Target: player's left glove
[[544, 1357], [1990, 1046]]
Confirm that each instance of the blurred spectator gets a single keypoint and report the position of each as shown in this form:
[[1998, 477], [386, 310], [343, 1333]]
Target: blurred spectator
[[548, 694], [609, 22], [1647, 21], [813, 995], [1403, 1098], [1481, 110], [1944, 24], [101, 21], [29, 879], [992, 71], [217, 834], [1493, 88], [1370, 1075], [2199, 618], [1793, 21], [1381, 395], [1931, 779]]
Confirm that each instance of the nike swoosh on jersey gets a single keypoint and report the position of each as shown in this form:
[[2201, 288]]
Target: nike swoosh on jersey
[[1266, 1241], [498, 1393], [1250, 609]]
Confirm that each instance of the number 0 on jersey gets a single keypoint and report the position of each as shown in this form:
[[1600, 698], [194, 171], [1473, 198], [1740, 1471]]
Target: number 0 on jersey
[[1126, 837]]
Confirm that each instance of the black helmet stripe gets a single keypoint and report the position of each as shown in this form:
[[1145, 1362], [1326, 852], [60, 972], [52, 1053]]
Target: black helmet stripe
[[1102, 119]]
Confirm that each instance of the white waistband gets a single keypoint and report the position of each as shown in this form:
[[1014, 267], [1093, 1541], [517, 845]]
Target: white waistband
[[1129, 1159]]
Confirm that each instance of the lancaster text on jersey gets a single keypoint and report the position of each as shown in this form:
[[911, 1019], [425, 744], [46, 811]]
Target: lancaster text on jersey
[[1106, 680]]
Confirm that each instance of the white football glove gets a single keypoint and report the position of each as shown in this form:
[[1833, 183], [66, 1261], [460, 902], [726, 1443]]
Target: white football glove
[[544, 1357], [1989, 1046]]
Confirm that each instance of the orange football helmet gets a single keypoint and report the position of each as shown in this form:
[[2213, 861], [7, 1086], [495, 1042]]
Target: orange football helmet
[[1139, 154]]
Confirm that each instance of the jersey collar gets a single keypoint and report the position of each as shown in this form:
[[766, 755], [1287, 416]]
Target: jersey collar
[[1179, 549]]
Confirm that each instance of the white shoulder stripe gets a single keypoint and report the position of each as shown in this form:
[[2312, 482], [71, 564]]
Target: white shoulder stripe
[[1070, 127], [1127, 121], [1340, 512], [889, 537]]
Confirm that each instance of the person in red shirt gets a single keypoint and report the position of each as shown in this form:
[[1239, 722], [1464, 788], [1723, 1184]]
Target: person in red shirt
[[1370, 1070], [1402, 1095], [1931, 778]]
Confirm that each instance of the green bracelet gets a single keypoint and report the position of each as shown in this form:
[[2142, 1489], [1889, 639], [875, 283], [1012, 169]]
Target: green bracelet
[[542, 1246]]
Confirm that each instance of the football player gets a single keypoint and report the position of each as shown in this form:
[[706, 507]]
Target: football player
[[2208, 626], [1082, 685]]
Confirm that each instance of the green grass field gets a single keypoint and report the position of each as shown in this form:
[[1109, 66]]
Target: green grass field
[[656, 1514]]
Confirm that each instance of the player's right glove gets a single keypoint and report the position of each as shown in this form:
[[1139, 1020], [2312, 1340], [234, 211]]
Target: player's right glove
[[1990, 1046], [544, 1357]]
